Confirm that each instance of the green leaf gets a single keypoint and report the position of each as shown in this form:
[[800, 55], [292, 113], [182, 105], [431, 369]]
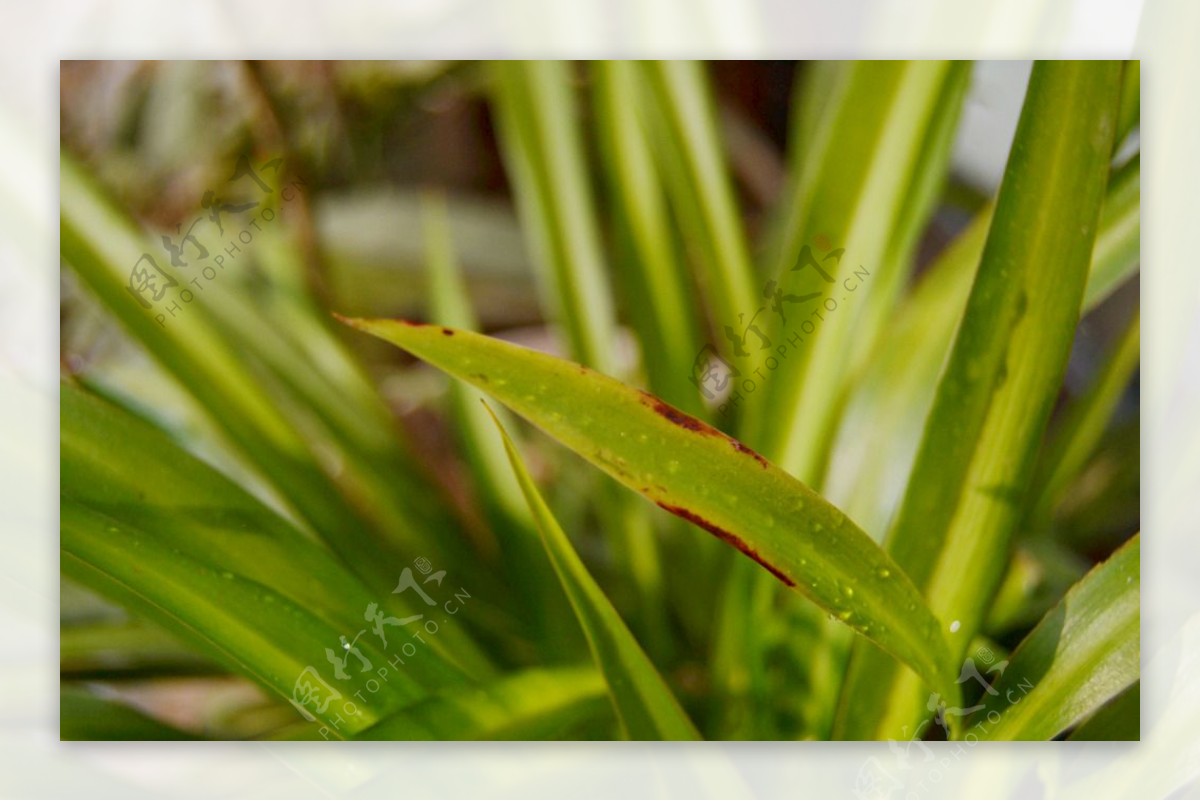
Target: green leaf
[[688, 145], [156, 530], [1118, 243], [1039, 574], [700, 474], [285, 396], [656, 283], [643, 702], [1131, 101], [1085, 421], [543, 148], [854, 200], [967, 487], [1084, 652], [1119, 719], [534, 704]]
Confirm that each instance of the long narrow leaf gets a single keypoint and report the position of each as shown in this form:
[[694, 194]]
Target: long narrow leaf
[[698, 473], [690, 150], [1083, 653], [656, 285], [1086, 420], [643, 702], [219, 360]]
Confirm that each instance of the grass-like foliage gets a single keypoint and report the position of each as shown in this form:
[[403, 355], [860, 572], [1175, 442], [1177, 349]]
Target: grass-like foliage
[[852, 459]]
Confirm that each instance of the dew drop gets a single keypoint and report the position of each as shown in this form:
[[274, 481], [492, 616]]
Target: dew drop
[[849, 591], [955, 626], [845, 615], [884, 572]]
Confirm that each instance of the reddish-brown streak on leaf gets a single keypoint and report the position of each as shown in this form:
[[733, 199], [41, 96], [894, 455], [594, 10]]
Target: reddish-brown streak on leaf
[[448, 332], [738, 446], [684, 420], [681, 419], [729, 537]]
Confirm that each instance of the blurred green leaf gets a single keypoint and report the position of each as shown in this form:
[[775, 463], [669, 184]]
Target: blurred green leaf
[[1085, 421], [656, 280], [530, 705], [543, 149], [688, 146], [290, 403], [167, 537], [852, 195]]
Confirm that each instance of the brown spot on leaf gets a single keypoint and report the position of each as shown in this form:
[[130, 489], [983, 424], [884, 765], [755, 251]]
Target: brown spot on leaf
[[728, 536], [448, 332]]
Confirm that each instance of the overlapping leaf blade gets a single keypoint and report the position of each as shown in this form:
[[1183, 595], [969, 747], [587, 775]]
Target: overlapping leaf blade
[[644, 703], [1083, 653]]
